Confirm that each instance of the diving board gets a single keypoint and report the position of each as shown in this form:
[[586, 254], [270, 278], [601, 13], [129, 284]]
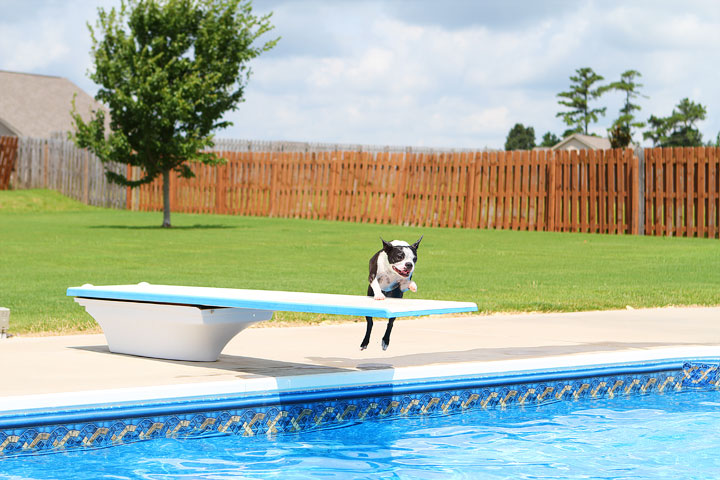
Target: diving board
[[195, 323]]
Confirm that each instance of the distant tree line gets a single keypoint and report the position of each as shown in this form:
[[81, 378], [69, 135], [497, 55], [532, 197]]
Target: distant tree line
[[679, 129]]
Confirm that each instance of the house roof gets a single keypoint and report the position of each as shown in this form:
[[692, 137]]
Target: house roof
[[592, 142], [39, 105]]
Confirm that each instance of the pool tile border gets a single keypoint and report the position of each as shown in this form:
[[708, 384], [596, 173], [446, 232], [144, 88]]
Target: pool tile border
[[277, 413]]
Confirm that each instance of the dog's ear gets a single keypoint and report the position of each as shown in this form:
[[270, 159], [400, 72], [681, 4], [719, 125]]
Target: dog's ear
[[415, 245], [387, 246]]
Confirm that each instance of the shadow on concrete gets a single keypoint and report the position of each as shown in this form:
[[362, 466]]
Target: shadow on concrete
[[245, 367], [253, 367], [483, 355]]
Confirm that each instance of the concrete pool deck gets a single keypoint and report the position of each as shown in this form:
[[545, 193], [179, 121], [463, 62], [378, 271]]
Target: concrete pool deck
[[78, 363]]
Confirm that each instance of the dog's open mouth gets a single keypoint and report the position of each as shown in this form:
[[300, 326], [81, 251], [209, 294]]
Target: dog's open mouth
[[403, 273]]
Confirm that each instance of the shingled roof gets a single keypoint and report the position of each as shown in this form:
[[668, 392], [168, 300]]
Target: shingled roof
[[578, 141], [39, 105]]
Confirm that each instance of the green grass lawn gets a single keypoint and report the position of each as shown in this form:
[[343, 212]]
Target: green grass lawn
[[49, 243]]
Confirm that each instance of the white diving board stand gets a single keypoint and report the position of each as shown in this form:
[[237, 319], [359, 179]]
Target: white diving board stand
[[195, 323]]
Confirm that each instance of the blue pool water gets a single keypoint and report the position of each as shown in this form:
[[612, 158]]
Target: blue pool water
[[674, 435]]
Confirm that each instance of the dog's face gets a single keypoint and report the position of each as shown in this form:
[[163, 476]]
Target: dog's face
[[401, 256]]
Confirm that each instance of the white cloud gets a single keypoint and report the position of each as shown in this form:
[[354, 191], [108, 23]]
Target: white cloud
[[49, 37], [383, 72], [31, 51]]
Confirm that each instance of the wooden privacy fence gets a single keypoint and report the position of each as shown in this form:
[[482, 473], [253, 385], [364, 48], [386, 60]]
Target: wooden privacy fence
[[587, 191], [671, 191], [8, 156], [682, 191], [59, 165]]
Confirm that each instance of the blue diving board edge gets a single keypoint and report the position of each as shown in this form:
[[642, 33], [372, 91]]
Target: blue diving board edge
[[387, 308]]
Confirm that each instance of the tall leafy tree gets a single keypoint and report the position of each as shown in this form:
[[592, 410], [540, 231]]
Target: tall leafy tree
[[679, 129], [168, 71], [578, 98], [621, 131], [549, 140], [520, 138]]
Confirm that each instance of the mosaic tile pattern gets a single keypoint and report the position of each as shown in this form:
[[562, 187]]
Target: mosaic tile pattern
[[280, 419]]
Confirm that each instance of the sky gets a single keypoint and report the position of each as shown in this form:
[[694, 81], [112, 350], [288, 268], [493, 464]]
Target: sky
[[446, 74]]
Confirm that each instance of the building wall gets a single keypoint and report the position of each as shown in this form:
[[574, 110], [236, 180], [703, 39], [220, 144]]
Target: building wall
[[574, 144]]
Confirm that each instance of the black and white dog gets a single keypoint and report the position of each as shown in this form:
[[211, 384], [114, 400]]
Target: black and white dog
[[391, 272]]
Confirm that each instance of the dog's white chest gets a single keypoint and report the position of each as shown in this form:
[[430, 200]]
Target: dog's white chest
[[388, 280]]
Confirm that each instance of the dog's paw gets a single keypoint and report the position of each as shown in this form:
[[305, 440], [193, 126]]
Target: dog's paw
[[413, 287], [379, 296]]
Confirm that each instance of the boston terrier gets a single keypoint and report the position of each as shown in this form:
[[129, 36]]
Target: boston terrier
[[391, 272]]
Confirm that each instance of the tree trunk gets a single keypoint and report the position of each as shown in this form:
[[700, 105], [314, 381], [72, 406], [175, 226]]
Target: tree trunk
[[166, 199]]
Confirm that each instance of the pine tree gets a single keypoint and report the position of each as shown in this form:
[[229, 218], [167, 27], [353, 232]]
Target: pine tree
[[621, 131], [578, 100]]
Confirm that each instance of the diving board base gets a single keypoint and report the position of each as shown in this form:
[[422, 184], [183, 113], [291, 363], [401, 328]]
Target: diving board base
[[174, 332]]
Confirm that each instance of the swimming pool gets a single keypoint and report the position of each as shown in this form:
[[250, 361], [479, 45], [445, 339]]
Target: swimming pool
[[299, 416], [639, 437]]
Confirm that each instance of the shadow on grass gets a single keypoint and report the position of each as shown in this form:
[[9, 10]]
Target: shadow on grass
[[158, 227]]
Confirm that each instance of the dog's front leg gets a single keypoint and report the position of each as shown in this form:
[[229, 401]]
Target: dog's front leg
[[368, 330], [377, 292], [408, 284], [396, 293], [388, 331], [369, 320]]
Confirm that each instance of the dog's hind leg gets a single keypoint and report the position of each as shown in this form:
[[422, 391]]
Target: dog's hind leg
[[369, 320], [396, 293]]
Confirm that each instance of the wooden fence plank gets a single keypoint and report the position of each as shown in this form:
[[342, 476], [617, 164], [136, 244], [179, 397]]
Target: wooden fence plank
[[701, 192], [471, 198], [540, 193], [678, 185], [552, 197], [690, 193], [494, 189], [567, 191], [420, 189], [713, 181], [668, 171], [614, 191], [8, 159], [660, 188], [582, 190]]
